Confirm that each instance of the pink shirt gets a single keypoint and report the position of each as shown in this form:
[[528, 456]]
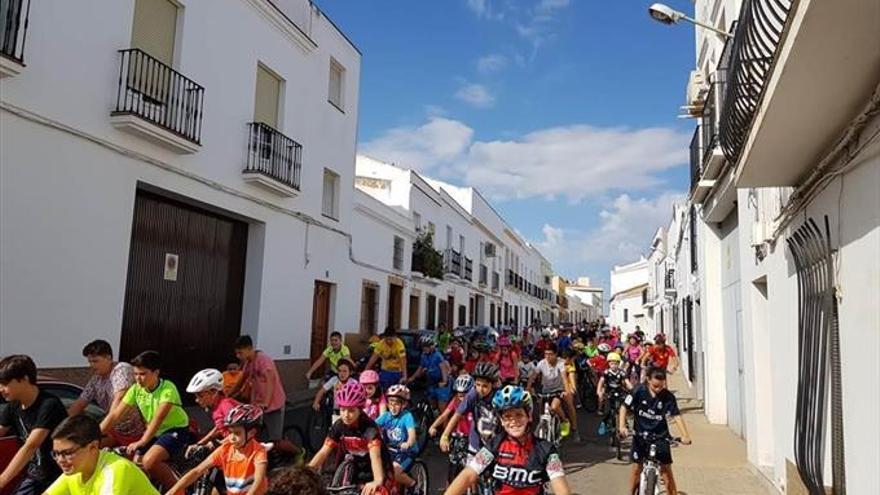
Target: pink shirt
[[220, 411], [257, 371], [373, 407], [507, 364]]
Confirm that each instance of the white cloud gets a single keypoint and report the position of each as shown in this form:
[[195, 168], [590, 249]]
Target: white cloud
[[483, 9], [548, 5], [491, 63], [438, 141], [476, 95], [570, 161]]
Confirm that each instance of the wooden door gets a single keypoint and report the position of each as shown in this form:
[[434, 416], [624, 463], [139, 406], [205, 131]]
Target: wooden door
[[450, 312], [320, 319], [184, 289], [413, 311], [395, 304]]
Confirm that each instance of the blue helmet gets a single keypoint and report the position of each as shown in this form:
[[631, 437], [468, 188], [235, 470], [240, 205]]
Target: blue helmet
[[512, 397]]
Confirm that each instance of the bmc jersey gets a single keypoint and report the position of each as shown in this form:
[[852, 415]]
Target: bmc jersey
[[518, 468], [650, 410]]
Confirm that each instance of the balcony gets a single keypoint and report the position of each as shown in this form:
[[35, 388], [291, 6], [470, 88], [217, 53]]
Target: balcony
[[157, 102], [511, 280], [496, 281], [469, 269], [669, 282], [274, 161], [452, 263], [14, 17], [484, 275]]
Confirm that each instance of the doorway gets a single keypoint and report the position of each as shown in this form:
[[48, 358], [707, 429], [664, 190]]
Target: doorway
[[413, 311], [320, 319], [395, 304]]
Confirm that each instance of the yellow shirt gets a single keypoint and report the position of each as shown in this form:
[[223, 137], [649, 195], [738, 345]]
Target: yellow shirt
[[391, 355]]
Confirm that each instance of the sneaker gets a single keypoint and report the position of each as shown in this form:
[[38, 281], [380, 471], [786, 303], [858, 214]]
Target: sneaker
[[565, 429], [602, 429]]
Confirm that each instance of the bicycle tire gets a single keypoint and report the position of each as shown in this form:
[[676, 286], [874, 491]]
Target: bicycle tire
[[318, 425], [423, 424], [343, 475], [650, 487], [419, 472]]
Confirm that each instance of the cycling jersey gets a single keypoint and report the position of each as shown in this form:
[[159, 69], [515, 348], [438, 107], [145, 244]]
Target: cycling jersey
[[357, 440], [333, 356], [518, 468], [431, 363], [113, 474], [650, 411], [485, 420], [599, 363], [660, 357], [464, 424], [395, 429], [507, 365], [591, 350], [148, 402]]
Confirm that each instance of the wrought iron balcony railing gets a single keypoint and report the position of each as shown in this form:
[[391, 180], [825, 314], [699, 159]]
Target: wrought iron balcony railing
[[273, 155], [14, 20], [468, 269], [159, 94], [496, 280], [756, 41], [669, 281], [484, 274], [452, 262]]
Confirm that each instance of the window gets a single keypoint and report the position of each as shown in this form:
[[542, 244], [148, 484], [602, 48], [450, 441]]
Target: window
[[625, 315], [153, 28], [432, 229], [398, 253], [369, 303], [462, 314], [330, 204], [417, 221], [266, 97], [461, 244], [448, 237], [337, 84], [693, 239]]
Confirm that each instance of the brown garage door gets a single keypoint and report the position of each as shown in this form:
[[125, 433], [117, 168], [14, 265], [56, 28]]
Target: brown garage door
[[185, 282]]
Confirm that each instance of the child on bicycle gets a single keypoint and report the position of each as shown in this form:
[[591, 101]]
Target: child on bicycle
[[207, 386], [616, 384], [477, 403], [343, 375], [334, 352], [461, 386], [518, 462], [356, 434], [399, 434], [376, 402], [242, 458]]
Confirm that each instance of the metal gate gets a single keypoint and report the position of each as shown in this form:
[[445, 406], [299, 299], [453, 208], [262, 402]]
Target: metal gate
[[184, 290]]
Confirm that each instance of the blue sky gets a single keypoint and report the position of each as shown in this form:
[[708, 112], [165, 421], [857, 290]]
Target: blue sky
[[562, 112]]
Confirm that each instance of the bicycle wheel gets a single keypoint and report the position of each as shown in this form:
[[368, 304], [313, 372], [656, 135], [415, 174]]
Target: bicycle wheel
[[423, 424], [344, 474], [650, 483], [318, 425], [419, 472]]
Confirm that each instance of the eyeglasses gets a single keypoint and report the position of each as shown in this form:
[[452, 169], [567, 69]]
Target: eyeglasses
[[514, 419], [66, 454]]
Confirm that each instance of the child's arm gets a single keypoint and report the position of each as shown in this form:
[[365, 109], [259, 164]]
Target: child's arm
[[410, 439], [209, 436], [432, 430], [450, 426], [192, 475], [112, 416], [34, 439], [560, 486], [465, 479], [321, 457], [315, 366], [600, 388], [259, 476], [316, 404], [682, 428], [152, 428], [378, 471]]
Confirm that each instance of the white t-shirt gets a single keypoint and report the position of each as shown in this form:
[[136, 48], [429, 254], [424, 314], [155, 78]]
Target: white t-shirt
[[551, 376]]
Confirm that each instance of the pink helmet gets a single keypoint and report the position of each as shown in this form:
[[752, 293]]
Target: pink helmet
[[504, 341], [352, 394], [369, 377]]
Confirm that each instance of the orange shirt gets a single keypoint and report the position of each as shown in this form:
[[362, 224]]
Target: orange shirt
[[239, 467]]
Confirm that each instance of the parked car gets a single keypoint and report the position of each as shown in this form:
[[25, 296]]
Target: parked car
[[68, 393]]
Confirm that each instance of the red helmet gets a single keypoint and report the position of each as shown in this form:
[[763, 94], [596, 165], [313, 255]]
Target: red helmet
[[352, 394], [244, 415]]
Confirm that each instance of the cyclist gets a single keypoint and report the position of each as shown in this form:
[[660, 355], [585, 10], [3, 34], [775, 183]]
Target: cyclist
[[376, 403], [526, 366], [477, 403], [242, 458], [592, 345], [615, 383], [392, 354], [461, 386], [158, 401], [343, 376], [88, 470], [564, 342], [519, 462], [207, 385], [651, 404], [508, 361], [399, 434], [230, 379], [436, 369], [553, 376], [31, 414], [106, 387], [356, 434], [543, 342], [332, 354], [473, 358], [267, 391], [599, 362], [444, 338], [661, 355]]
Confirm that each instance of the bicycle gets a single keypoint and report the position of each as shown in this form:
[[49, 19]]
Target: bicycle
[[418, 471], [613, 404], [549, 425], [345, 478], [206, 483], [586, 386], [424, 416], [319, 423], [457, 457], [649, 481]]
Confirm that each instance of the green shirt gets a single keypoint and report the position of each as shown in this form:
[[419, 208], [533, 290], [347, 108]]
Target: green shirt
[[148, 403], [114, 475], [443, 340], [334, 356], [591, 350]]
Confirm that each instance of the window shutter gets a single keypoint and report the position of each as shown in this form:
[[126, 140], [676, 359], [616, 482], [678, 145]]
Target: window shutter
[[266, 98], [153, 29]]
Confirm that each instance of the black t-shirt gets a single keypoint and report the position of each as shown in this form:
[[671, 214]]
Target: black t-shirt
[[46, 412], [614, 379], [651, 411]]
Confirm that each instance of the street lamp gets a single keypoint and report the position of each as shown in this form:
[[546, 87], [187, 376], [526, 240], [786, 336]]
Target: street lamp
[[665, 14]]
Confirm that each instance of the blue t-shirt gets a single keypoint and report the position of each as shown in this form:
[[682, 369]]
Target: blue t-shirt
[[431, 363], [564, 343], [395, 429]]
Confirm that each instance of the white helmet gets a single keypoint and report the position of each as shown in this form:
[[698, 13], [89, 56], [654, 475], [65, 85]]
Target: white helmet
[[205, 380]]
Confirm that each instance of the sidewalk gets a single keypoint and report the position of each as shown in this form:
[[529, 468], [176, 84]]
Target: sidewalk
[[716, 462]]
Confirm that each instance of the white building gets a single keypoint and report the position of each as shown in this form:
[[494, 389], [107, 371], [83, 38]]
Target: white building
[[174, 174], [591, 297], [787, 141], [629, 295]]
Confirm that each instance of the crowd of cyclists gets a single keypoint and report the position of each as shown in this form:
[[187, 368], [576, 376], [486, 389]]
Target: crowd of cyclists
[[486, 387]]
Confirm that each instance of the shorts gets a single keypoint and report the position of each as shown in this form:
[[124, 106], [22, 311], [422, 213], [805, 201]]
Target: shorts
[[438, 393], [640, 448], [389, 378], [403, 458], [273, 426], [174, 441]]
